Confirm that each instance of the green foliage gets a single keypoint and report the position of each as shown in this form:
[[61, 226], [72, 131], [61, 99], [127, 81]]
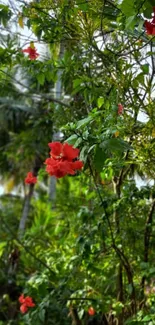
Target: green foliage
[[91, 243], [5, 14]]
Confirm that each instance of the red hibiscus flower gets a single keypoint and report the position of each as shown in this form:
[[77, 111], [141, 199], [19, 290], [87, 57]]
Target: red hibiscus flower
[[62, 161], [29, 302], [58, 168], [21, 299], [65, 151], [32, 53], [150, 25], [23, 308], [30, 178], [26, 302], [120, 109], [91, 311]]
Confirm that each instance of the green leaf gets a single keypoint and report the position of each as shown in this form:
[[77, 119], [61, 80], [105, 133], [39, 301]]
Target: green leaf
[[81, 313], [128, 8], [58, 228], [42, 315], [115, 144], [78, 141], [84, 122], [37, 31], [99, 158], [140, 25], [107, 104], [107, 174], [84, 153], [49, 75], [20, 21], [100, 101], [148, 11], [5, 14], [83, 6], [140, 78], [41, 78], [147, 318], [145, 68], [2, 246], [77, 82], [130, 22], [72, 139]]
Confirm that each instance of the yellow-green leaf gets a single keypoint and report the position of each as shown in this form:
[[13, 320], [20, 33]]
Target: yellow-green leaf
[[20, 21]]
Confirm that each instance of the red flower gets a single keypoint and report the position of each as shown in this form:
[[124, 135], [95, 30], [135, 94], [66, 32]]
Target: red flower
[[26, 302], [56, 148], [76, 165], [58, 168], [65, 151], [69, 152], [29, 302], [62, 161], [21, 299], [150, 25], [120, 109], [32, 52], [30, 178], [23, 308], [91, 311]]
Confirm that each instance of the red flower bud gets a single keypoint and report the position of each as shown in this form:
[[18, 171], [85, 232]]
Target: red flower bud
[[91, 311], [30, 178], [120, 109]]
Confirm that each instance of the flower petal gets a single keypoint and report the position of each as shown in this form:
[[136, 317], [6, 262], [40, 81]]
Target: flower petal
[[21, 299], [69, 152], [23, 308], [56, 149]]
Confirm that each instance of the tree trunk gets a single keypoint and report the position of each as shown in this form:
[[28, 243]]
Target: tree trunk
[[25, 213], [56, 135], [74, 316]]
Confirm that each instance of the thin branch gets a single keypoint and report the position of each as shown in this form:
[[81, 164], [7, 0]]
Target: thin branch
[[147, 235], [119, 252], [48, 97], [152, 74]]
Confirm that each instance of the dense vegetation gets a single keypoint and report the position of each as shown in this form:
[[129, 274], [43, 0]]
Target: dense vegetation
[[81, 246]]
